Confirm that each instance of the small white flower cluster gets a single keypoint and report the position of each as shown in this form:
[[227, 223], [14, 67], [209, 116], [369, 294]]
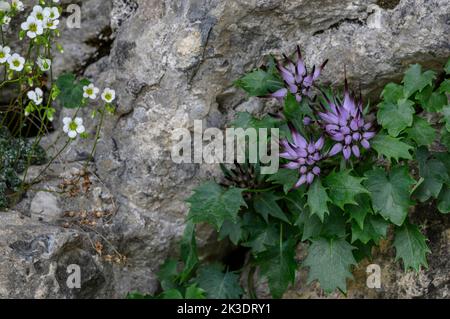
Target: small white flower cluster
[[41, 19], [91, 92], [15, 61], [6, 8]]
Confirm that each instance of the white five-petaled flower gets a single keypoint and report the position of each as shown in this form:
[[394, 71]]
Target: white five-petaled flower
[[108, 95], [36, 96], [73, 127], [17, 5], [51, 24], [38, 13], [90, 91], [16, 62], [33, 26], [4, 6], [4, 53], [51, 13], [44, 64]]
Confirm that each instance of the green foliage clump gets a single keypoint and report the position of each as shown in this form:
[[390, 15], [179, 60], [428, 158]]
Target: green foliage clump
[[16, 154]]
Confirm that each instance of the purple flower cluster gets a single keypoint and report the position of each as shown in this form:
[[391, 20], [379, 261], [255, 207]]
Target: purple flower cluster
[[296, 77], [344, 123], [303, 156]]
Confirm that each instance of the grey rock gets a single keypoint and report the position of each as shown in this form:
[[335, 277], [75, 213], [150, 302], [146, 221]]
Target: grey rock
[[172, 62]]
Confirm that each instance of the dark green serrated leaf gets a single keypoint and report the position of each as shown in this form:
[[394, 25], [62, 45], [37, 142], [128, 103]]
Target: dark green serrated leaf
[[318, 199], [359, 212], [260, 234], [395, 117], [411, 247], [266, 205], [415, 81], [194, 292], [329, 262], [231, 230], [391, 147], [343, 188], [434, 102], [218, 284], [390, 192], [421, 132], [278, 265], [172, 294], [214, 204], [259, 83], [168, 274], [310, 226], [374, 229], [285, 177]]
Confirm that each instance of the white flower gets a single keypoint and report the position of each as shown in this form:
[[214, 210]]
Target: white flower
[[4, 54], [56, 1], [4, 6], [90, 91], [73, 127], [17, 5], [16, 62], [44, 64], [51, 24], [38, 13], [51, 13], [6, 20], [33, 26], [108, 95], [36, 96]]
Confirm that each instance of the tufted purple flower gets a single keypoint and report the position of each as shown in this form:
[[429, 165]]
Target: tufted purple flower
[[344, 122], [296, 77], [303, 155]]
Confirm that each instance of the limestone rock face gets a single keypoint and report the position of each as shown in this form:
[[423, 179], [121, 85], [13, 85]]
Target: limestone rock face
[[173, 62]]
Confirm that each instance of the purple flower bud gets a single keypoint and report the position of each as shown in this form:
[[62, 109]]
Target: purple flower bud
[[316, 170], [307, 121]]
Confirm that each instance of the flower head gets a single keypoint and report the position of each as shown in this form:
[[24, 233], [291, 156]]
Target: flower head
[[90, 91], [44, 64], [16, 62], [51, 24], [296, 77], [51, 13], [33, 26], [38, 13], [303, 155], [36, 96], [17, 5], [4, 6], [73, 127], [108, 95], [344, 122], [4, 53]]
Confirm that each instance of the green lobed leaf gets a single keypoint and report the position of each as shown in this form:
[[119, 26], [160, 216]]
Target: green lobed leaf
[[374, 228], [395, 117], [172, 294], [329, 262], [391, 147], [411, 247], [318, 199], [266, 205], [392, 92], [390, 192], [278, 265], [285, 177], [359, 211], [214, 204], [415, 81], [231, 230], [71, 91], [218, 284], [343, 188], [194, 292], [434, 173], [259, 83], [421, 132], [445, 87], [260, 235], [168, 274]]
